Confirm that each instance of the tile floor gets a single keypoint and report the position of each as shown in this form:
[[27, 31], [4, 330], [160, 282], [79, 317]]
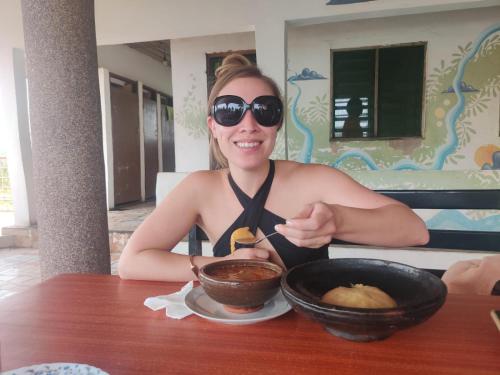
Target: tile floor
[[20, 268]]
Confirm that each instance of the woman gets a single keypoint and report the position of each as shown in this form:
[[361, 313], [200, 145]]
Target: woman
[[307, 204]]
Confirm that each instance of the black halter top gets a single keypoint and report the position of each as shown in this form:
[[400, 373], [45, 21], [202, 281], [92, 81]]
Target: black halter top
[[255, 216]]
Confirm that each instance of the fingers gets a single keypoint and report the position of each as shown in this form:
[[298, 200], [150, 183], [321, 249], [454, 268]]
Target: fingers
[[311, 231], [320, 215], [312, 242], [300, 238]]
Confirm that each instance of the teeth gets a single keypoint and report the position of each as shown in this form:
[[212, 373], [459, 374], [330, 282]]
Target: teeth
[[247, 144]]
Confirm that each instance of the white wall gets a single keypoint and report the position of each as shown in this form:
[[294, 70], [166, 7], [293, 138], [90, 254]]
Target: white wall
[[121, 21], [129, 63], [189, 85]]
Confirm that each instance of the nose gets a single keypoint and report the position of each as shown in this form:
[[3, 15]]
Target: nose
[[248, 122]]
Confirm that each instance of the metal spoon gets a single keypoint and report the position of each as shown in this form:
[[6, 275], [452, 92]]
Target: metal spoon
[[240, 244]]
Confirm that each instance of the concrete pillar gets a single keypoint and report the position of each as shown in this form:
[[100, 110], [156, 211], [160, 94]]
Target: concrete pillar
[[66, 133], [270, 45]]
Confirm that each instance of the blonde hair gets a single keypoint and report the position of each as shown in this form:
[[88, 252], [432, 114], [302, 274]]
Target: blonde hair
[[233, 66]]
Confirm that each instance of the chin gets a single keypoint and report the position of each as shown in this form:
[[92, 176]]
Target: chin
[[250, 162]]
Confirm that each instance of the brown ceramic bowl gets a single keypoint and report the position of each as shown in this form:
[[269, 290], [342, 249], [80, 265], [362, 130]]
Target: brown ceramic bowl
[[418, 294], [241, 285]]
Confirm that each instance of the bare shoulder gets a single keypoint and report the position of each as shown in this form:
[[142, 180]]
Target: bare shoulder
[[320, 182], [306, 172], [197, 184], [205, 177]]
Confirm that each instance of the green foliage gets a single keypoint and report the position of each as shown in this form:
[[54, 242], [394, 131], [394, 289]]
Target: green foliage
[[193, 116], [464, 133], [437, 80], [488, 47], [477, 103], [317, 112], [454, 158], [462, 51]]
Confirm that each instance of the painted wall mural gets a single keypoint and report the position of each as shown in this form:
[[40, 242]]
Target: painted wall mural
[[448, 118], [193, 115], [488, 157], [460, 92]]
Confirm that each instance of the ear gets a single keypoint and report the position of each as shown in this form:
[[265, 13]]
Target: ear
[[211, 126]]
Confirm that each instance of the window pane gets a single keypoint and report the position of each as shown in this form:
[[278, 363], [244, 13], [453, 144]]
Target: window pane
[[400, 85], [353, 93]]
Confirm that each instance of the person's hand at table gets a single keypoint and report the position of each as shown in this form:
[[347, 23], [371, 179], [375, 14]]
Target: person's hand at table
[[312, 227], [477, 276]]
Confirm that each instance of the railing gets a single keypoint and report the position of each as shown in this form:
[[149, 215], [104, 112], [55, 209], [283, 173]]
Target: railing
[[5, 190]]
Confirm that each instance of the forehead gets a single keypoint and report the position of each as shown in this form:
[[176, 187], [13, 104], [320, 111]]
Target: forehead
[[247, 88]]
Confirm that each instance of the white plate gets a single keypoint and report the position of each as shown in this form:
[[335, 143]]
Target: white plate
[[57, 369], [202, 305]]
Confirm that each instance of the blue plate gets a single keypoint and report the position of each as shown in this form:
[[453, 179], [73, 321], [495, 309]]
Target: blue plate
[[57, 369]]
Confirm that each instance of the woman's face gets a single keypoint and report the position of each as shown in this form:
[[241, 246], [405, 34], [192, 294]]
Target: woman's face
[[246, 145]]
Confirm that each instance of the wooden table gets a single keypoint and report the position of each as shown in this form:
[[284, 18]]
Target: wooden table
[[100, 320]]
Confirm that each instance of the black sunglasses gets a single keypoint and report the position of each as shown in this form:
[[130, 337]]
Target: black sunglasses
[[228, 110]]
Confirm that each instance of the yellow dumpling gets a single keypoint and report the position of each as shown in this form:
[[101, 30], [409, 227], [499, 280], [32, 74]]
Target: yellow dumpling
[[239, 235], [359, 295]]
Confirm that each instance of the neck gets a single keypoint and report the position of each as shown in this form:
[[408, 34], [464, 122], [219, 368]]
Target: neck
[[250, 180]]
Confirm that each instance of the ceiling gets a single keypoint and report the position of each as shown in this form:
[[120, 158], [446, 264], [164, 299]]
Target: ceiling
[[158, 50]]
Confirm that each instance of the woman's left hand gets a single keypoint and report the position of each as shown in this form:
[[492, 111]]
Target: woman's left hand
[[313, 227]]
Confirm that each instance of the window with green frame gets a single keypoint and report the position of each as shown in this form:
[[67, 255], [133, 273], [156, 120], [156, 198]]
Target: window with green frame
[[378, 92]]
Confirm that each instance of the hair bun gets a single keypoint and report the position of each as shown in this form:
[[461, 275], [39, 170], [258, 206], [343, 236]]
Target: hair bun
[[231, 62]]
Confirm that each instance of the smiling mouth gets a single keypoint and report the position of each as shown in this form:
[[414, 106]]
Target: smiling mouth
[[247, 144]]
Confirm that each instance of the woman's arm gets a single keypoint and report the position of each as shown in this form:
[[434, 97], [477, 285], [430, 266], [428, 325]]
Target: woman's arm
[[350, 212], [390, 225], [147, 255]]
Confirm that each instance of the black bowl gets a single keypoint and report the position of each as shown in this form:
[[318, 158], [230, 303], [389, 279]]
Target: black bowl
[[418, 294]]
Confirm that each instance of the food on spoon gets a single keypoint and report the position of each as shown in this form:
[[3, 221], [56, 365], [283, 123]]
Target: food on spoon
[[359, 295], [241, 235]]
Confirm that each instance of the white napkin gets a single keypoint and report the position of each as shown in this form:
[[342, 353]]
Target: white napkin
[[174, 303]]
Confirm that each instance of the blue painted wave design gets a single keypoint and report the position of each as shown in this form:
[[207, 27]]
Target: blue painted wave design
[[451, 119], [456, 220], [307, 146]]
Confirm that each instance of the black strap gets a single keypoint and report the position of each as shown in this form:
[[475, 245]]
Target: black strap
[[496, 289], [254, 207]]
